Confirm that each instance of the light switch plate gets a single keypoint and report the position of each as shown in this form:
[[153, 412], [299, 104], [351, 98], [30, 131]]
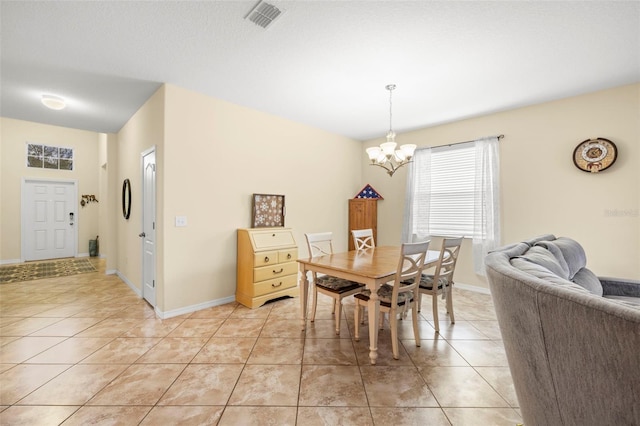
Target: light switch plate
[[181, 221]]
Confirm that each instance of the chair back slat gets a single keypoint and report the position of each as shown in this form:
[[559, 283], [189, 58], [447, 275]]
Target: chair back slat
[[363, 238], [412, 258], [447, 261], [319, 243]]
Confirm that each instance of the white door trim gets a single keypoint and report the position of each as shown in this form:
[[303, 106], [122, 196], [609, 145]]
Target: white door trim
[[23, 209]]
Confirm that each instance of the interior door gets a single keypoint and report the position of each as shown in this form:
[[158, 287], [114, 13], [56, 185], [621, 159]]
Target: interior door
[[49, 219], [149, 227]]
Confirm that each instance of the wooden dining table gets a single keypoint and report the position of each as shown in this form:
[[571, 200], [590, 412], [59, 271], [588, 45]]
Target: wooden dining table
[[372, 267]]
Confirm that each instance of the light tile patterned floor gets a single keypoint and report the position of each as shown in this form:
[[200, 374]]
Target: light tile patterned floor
[[85, 349]]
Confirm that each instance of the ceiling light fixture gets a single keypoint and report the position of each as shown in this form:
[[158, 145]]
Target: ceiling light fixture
[[386, 155], [53, 102]]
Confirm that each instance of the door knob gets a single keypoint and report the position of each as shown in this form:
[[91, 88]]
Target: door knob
[[142, 235]]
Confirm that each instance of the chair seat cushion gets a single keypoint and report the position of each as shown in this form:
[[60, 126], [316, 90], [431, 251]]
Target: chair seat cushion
[[426, 282], [337, 285], [384, 294]]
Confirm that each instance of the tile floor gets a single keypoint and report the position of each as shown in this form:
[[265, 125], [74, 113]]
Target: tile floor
[[86, 350]]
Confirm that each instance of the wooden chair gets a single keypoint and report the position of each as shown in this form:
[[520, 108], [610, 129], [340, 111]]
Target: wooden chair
[[443, 276], [401, 295], [320, 244], [363, 238]]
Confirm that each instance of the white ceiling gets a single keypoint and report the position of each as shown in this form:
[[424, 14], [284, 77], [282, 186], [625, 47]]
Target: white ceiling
[[323, 63]]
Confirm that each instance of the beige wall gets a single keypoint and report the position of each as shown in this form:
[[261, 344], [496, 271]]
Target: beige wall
[[542, 191], [109, 193], [143, 131], [217, 155], [14, 134]]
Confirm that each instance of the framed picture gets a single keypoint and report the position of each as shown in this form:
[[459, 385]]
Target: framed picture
[[268, 211]]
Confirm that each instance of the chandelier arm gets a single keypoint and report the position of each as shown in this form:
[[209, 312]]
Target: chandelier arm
[[383, 166]]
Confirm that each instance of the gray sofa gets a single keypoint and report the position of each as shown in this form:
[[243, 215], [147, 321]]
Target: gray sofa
[[572, 339]]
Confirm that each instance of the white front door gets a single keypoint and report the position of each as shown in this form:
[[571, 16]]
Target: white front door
[[49, 219], [149, 226]]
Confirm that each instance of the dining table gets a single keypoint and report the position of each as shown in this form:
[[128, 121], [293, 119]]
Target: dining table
[[371, 267]]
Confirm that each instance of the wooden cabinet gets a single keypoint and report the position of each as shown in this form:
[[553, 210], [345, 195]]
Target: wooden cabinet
[[363, 214], [267, 267]]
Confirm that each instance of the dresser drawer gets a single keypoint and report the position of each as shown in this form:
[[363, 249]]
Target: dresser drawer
[[265, 258], [272, 239], [274, 271], [287, 255], [276, 284]]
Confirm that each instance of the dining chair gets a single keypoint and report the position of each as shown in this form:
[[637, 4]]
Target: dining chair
[[399, 296], [443, 277], [320, 244], [363, 238]]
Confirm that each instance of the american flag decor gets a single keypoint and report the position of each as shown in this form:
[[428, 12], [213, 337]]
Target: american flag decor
[[369, 192]]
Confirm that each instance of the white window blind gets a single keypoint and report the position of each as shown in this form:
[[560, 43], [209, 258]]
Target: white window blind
[[448, 186]]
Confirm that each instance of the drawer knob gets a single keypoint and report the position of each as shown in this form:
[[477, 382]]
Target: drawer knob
[[266, 259], [276, 285], [288, 255], [278, 272]]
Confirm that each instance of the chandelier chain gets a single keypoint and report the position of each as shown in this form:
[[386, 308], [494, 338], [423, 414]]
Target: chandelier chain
[[390, 88]]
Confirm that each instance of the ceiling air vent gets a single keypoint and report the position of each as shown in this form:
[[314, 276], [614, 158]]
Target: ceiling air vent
[[263, 14]]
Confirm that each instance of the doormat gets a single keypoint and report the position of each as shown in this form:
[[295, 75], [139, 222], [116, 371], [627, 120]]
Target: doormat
[[37, 270]]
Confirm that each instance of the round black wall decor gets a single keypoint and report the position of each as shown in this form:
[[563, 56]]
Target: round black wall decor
[[126, 199], [595, 155]]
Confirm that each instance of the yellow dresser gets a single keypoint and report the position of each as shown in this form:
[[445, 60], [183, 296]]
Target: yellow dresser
[[267, 267]]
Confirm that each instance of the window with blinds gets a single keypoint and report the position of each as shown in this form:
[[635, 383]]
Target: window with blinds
[[449, 189]]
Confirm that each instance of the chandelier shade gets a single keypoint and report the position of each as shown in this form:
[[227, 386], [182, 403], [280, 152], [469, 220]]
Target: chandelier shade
[[386, 155]]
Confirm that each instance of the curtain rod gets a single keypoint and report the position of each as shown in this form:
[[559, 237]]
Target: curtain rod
[[458, 143]]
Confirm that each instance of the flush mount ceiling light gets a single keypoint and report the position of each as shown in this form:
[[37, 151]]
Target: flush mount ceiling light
[[53, 102], [386, 155]]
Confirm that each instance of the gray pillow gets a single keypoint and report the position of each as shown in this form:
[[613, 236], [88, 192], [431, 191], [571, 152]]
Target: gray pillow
[[557, 254], [573, 254], [545, 274], [543, 257], [587, 279]]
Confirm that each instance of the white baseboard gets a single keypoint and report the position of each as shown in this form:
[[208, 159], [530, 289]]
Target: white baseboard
[[475, 288], [174, 312], [129, 283], [194, 308]]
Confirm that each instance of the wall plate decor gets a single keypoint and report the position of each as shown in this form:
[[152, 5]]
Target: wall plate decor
[[595, 155], [126, 199], [268, 211]]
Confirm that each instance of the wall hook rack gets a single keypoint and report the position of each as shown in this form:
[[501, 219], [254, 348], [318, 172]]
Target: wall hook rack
[[88, 199]]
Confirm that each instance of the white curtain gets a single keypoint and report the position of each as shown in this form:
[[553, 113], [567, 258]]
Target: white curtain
[[486, 226], [415, 225]]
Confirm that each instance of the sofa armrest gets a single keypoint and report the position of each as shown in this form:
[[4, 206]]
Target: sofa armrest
[[620, 287]]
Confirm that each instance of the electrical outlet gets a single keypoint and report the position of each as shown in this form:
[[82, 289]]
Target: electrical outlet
[[181, 221]]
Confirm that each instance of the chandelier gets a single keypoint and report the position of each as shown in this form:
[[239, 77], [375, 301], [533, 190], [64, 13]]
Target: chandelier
[[386, 155]]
